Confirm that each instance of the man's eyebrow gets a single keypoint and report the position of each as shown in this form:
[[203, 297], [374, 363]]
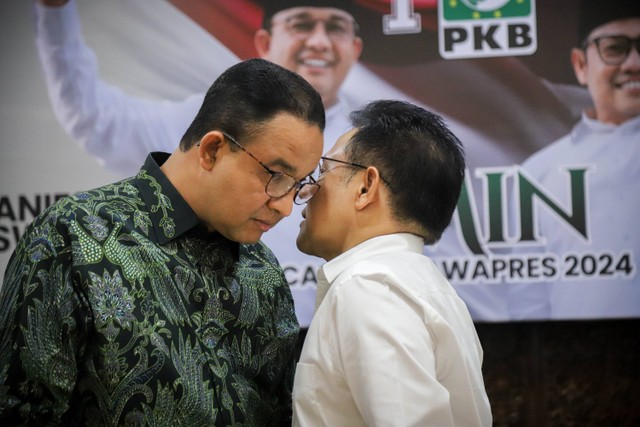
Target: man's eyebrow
[[307, 15], [298, 15], [283, 165], [287, 168]]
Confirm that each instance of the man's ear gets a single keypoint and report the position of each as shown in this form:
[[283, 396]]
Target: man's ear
[[208, 149], [357, 49], [262, 42], [369, 188], [579, 62]]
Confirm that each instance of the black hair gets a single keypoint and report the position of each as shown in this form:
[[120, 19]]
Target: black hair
[[249, 94], [421, 160]]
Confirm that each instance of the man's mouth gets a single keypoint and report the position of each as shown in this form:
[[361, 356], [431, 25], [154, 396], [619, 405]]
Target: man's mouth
[[264, 225], [630, 85], [316, 62]]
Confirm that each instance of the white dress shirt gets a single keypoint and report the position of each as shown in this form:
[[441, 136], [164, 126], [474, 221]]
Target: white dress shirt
[[390, 344]]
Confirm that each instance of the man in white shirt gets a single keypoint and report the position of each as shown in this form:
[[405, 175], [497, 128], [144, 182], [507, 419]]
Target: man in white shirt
[[390, 343], [599, 277]]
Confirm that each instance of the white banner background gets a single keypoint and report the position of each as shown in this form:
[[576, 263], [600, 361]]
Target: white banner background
[[151, 49]]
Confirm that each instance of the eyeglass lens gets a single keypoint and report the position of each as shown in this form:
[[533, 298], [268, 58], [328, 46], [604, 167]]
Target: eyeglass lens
[[306, 191], [279, 184], [614, 50]]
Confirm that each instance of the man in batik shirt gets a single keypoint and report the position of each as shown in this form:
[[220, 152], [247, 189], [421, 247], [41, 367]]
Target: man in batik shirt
[[151, 301]]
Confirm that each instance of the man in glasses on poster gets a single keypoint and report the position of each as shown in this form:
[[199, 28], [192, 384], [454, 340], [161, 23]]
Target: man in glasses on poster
[[597, 259]]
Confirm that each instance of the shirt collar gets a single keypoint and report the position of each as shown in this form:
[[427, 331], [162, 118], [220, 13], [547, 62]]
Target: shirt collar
[[591, 126], [169, 213], [376, 246]]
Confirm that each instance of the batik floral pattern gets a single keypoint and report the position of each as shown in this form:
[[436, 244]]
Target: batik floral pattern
[[117, 308]]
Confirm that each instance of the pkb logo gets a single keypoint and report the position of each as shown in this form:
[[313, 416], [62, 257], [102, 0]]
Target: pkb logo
[[486, 28]]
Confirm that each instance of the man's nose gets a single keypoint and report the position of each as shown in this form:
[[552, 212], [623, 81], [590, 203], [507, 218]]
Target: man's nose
[[319, 36], [283, 205]]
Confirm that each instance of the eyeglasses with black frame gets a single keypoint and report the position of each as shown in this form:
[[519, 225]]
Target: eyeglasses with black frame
[[355, 165], [306, 191], [279, 183], [614, 49]]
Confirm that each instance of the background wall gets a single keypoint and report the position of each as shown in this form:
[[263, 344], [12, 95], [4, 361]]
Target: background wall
[[581, 373]]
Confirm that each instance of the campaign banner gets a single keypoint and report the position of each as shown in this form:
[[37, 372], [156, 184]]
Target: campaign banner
[[543, 229]]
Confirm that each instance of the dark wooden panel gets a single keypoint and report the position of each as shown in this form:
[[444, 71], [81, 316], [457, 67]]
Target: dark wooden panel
[[580, 373]]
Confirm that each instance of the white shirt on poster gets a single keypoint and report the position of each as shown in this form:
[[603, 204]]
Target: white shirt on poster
[[588, 285]]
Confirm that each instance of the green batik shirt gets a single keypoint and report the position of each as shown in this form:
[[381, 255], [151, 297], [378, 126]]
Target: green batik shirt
[[119, 308]]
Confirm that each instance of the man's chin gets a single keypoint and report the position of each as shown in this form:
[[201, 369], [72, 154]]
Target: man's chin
[[303, 245], [249, 239]]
